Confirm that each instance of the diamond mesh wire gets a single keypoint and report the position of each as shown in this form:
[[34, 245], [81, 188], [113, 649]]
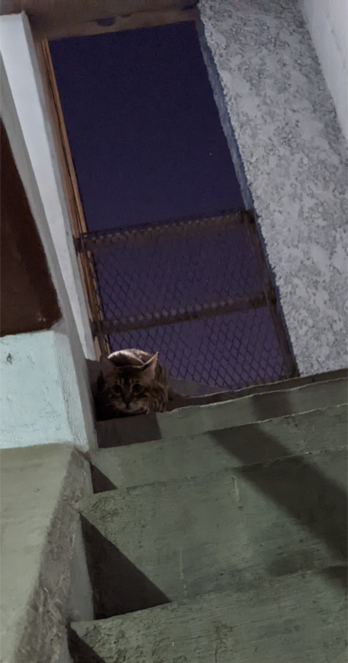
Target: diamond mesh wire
[[230, 351], [195, 290]]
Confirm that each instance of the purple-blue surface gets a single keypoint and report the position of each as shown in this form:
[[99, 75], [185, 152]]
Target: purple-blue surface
[[148, 146], [143, 127]]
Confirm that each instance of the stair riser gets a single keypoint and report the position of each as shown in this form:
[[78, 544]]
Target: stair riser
[[238, 412], [167, 460]]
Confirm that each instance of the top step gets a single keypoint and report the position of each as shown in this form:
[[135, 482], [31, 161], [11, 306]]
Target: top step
[[248, 406]]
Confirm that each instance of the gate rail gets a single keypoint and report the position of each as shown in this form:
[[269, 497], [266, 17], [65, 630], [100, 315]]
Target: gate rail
[[153, 276]]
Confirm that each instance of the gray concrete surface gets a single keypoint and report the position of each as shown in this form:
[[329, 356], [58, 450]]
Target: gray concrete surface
[[228, 544], [44, 578], [297, 619], [189, 456], [228, 529]]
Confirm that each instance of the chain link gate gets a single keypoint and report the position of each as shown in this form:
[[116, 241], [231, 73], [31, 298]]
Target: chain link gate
[[196, 290]]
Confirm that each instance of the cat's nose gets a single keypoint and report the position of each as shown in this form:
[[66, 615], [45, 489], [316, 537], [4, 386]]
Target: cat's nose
[[127, 400]]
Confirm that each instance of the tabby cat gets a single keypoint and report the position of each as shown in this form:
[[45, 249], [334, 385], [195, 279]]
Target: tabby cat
[[131, 382]]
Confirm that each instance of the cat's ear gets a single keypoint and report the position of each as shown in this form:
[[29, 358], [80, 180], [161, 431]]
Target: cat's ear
[[107, 366], [148, 371]]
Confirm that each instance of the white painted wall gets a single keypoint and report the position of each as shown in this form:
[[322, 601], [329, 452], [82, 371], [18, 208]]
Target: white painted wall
[[328, 26], [19, 57], [64, 369]]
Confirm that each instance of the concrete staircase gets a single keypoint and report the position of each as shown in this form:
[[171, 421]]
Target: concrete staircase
[[218, 532]]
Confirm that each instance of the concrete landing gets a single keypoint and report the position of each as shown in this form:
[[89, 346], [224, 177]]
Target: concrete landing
[[298, 619]]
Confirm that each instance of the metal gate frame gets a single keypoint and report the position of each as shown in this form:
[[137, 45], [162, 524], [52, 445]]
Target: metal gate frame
[[102, 327]]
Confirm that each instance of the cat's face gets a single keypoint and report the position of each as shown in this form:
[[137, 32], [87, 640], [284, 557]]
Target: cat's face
[[129, 388]]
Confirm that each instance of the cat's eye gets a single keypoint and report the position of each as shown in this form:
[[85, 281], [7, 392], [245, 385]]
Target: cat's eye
[[137, 388], [117, 389]]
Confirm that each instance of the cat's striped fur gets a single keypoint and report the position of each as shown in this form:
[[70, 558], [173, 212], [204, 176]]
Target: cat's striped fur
[[131, 382]]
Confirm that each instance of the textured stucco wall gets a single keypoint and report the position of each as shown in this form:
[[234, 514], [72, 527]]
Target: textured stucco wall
[[292, 161], [328, 25], [18, 52]]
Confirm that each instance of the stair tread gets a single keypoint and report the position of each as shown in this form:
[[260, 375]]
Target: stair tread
[[233, 511], [286, 620], [197, 419], [241, 523], [164, 460]]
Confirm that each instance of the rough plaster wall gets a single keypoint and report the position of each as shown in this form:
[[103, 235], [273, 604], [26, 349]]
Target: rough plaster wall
[[67, 326], [263, 65], [64, 651], [69, 387], [39, 397], [41, 491], [18, 52], [328, 24]]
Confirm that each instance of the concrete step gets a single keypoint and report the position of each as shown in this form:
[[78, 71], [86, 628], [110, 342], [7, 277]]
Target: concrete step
[[160, 542], [164, 460], [249, 409], [295, 619]]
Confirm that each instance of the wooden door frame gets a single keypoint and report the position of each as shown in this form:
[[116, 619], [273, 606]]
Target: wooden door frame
[[68, 176], [55, 19]]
